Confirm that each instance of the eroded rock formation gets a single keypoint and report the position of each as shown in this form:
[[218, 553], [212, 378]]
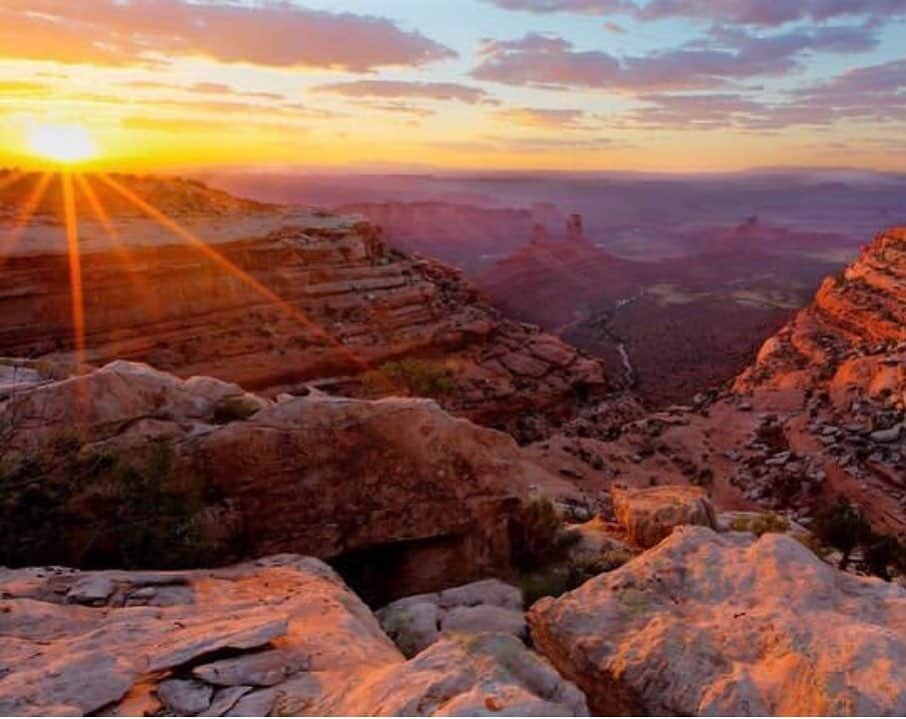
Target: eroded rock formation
[[131, 465], [295, 295]]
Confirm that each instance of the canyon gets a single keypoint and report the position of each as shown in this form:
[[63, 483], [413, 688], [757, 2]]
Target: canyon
[[281, 466]]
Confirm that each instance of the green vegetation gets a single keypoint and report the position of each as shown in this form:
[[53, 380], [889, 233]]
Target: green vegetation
[[843, 527], [106, 509], [537, 536], [410, 376]]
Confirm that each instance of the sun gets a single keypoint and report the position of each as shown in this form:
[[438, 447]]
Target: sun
[[62, 143]]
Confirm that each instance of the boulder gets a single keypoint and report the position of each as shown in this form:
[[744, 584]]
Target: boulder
[[461, 675], [280, 635], [723, 624], [650, 514], [332, 477], [489, 605]]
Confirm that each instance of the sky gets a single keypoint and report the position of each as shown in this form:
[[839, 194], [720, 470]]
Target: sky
[[409, 85]]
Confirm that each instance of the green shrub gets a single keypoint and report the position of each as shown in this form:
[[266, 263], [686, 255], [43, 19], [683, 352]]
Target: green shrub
[[881, 552], [536, 535], [842, 526]]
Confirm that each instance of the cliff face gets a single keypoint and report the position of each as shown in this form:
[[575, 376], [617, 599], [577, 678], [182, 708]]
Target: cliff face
[[851, 332], [315, 297], [820, 414]]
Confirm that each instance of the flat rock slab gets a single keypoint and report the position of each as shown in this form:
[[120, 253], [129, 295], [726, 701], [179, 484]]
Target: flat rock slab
[[62, 658]]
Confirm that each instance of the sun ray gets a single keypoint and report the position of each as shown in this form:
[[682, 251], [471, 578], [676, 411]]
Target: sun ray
[[75, 266], [117, 245], [103, 217], [230, 267], [25, 214], [77, 293]]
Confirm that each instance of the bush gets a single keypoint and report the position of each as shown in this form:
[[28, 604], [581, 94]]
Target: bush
[[536, 535], [410, 376], [881, 552], [842, 526], [234, 409], [98, 509]]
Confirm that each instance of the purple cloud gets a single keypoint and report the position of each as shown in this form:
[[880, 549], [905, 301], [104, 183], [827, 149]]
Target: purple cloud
[[724, 56], [769, 13]]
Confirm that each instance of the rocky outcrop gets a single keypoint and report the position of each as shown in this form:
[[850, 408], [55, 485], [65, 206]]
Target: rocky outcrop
[[650, 514], [480, 675], [490, 605], [282, 635], [271, 298], [129, 465], [840, 364], [708, 624]]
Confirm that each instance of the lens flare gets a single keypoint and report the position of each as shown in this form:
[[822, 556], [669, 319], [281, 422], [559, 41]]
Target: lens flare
[[61, 143]]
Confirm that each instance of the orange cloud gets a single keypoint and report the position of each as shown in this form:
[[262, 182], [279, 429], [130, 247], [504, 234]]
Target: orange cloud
[[112, 32]]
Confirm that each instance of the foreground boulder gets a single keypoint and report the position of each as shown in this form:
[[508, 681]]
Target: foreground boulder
[[460, 675], [282, 635], [148, 641], [650, 514], [708, 624], [128, 466]]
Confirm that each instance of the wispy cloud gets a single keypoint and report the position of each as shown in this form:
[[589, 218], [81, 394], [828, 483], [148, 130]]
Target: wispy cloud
[[403, 89]]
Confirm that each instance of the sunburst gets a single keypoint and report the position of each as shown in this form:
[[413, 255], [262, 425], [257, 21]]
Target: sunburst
[[69, 180]]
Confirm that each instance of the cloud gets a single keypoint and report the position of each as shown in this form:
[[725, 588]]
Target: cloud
[[401, 89], [202, 88], [723, 56], [768, 13], [543, 118], [875, 93], [270, 33], [403, 108]]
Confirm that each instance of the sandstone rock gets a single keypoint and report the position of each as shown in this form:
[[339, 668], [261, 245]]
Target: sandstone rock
[[485, 592], [225, 699], [489, 605], [484, 619], [184, 696], [337, 303], [650, 514], [720, 624], [319, 474], [483, 675], [262, 669], [92, 590], [412, 623], [60, 658]]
